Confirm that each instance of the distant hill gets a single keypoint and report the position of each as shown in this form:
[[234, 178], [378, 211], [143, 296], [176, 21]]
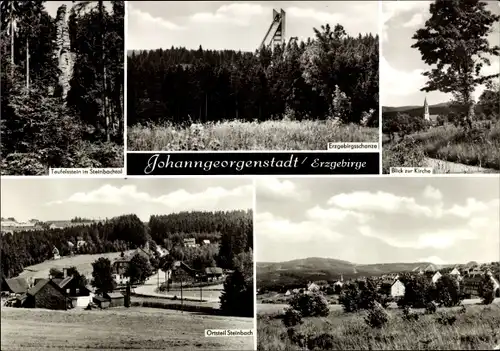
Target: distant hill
[[416, 111], [301, 271]]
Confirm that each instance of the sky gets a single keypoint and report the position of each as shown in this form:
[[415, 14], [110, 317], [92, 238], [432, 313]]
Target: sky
[[237, 25], [448, 220], [52, 6], [63, 199], [401, 66]]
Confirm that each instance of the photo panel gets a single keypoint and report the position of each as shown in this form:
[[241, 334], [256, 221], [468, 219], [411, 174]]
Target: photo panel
[[164, 264], [381, 263], [439, 74], [253, 77], [62, 87]]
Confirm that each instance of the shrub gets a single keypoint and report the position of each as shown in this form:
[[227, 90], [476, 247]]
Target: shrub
[[310, 305], [430, 308], [487, 290], [349, 298], [292, 318], [417, 292], [323, 341], [377, 317], [409, 315], [237, 297], [447, 291], [446, 319]]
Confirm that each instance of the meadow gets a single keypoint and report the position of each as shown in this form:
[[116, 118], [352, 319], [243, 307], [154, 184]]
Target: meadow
[[475, 328], [283, 134], [448, 149], [118, 328], [83, 264]]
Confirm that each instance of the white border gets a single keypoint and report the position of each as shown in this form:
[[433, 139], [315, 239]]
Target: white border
[[380, 134], [125, 69]]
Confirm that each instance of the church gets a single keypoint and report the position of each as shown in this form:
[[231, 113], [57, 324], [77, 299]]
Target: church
[[428, 117]]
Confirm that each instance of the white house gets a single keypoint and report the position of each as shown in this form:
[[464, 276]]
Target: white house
[[288, 293], [313, 287], [120, 279], [206, 242], [455, 271], [436, 277], [397, 289], [161, 251], [55, 252], [80, 243], [190, 242]]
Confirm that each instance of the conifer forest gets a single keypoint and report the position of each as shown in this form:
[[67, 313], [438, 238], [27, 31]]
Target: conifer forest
[[297, 95], [62, 86]]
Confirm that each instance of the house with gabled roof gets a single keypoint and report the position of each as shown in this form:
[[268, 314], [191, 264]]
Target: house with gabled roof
[[16, 286], [47, 294]]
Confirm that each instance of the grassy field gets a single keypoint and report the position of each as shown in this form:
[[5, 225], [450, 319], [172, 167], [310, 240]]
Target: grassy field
[[235, 135], [476, 151], [476, 329], [118, 329], [83, 264]]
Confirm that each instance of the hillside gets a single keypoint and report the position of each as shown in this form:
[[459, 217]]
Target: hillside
[[416, 111], [299, 272]]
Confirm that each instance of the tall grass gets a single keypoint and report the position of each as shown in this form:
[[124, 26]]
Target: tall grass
[[478, 147], [283, 134], [476, 329]]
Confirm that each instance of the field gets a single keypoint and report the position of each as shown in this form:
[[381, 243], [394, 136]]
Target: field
[[234, 135], [476, 329], [135, 328], [476, 151], [83, 264]]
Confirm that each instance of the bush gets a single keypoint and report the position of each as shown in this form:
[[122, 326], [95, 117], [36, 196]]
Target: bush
[[237, 297], [310, 305], [377, 317], [409, 315], [323, 341], [430, 308], [417, 292], [447, 291], [292, 318], [349, 298], [446, 319], [487, 290]]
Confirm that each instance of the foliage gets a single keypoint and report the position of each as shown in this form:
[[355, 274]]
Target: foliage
[[447, 291], [79, 278], [377, 316], [417, 291], [292, 318], [454, 39], [361, 295], [310, 304], [237, 297], [41, 127], [487, 290], [56, 273], [430, 308], [209, 86], [139, 269], [102, 278]]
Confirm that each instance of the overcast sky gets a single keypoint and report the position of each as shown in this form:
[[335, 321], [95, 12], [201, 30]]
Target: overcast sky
[[401, 66], [63, 199], [237, 25], [378, 220]]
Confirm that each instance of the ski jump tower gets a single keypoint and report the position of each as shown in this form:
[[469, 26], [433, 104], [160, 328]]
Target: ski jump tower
[[276, 33]]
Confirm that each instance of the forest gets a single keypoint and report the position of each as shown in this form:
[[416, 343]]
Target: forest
[[62, 84], [331, 77], [232, 229]]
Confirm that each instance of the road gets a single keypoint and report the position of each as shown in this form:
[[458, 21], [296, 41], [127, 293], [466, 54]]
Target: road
[[209, 294]]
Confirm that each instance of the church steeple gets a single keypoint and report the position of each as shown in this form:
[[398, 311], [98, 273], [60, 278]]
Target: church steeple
[[426, 110]]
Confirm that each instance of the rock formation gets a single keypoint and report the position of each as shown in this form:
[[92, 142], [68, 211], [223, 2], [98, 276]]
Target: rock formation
[[63, 52]]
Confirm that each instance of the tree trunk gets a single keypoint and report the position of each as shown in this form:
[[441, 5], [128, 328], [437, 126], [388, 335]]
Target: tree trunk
[[12, 36], [104, 91], [27, 64]]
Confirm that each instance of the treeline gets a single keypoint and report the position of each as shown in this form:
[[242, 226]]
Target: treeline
[[62, 86], [170, 230], [332, 75], [27, 248]]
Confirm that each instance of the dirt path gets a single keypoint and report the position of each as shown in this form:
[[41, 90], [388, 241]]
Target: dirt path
[[441, 166]]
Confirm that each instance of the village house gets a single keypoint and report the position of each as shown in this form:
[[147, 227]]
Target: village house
[[397, 288], [312, 287], [120, 265], [189, 242], [101, 302], [455, 272], [14, 286], [213, 273], [206, 242], [435, 277], [55, 252], [184, 273], [79, 294], [115, 299], [80, 243], [46, 294]]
